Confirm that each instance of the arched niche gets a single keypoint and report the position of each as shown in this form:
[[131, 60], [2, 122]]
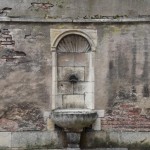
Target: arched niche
[[73, 52]]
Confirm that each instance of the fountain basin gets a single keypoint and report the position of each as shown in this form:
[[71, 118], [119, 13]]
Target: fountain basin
[[73, 119]]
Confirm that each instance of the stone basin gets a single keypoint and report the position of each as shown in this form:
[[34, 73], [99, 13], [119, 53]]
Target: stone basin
[[74, 119]]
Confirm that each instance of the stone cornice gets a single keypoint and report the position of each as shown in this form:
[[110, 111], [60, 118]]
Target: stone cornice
[[80, 20]]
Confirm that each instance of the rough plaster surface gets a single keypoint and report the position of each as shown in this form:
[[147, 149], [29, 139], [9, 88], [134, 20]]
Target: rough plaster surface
[[25, 81], [73, 9], [35, 139]]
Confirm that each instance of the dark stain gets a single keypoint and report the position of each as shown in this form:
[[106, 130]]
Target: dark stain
[[133, 93], [42, 6], [111, 65], [122, 66], [123, 94], [145, 75], [146, 55], [134, 52], [112, 71], [4, 11], [111, 77], [146, 91], [11, 54]]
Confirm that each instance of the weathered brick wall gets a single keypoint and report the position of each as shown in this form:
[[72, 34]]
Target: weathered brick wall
[[6, 38], [25, 77], [127, 116], [125, 85]]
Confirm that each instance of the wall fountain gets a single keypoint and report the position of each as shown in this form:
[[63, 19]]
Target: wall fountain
[[73, 81]]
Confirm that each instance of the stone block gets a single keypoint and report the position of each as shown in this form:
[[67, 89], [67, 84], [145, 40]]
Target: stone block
[[83, 87], [89, 100], [115, 136], [89, 74], [50, 125], [73, 101], [107, 149], [46, 115], [65, 88], [65, 72], [97, 125], [5, 139], [100, 113], [81, 59], [58, 101], [79, 71], [24, 139], [37, 139], [65, 59], [135, 137]]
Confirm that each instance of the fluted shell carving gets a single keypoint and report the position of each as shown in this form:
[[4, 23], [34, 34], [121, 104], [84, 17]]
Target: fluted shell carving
[[74, 43]]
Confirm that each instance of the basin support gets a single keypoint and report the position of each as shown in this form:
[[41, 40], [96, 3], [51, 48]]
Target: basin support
[[73, 140]]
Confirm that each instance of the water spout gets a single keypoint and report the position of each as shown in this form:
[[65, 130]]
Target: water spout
[[73, 78]]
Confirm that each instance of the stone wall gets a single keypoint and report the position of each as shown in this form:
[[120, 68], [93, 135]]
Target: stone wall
[[122, 67], [121, 74], [51, 9]]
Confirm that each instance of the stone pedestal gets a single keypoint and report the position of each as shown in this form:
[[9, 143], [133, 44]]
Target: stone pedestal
[[73, 140]]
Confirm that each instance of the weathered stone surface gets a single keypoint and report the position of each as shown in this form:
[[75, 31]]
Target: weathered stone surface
[[81, 59], [89, 100], [65, 59], [37, 139], [73, 101], [5, 139], [108, 149], [22, 116], [50, 125], [83, 87], [65, 88], [73, 120], [101, 113], [121, 72], [65, 72], [53, 9], [97, 125]]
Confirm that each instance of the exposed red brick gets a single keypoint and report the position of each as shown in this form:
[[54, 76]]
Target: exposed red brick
[[6, 38], [8, 125], [126, 117]]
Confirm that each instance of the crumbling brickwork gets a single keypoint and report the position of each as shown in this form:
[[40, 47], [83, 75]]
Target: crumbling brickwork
[[6, 38], [126, 116]]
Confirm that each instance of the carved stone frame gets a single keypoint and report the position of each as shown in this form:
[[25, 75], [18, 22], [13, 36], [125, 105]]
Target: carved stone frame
[[55, 36]]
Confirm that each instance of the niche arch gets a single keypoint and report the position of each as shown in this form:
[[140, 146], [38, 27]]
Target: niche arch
[[73, 43]]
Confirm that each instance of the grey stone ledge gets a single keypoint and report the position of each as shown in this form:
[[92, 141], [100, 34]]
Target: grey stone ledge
[[80, 20]]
